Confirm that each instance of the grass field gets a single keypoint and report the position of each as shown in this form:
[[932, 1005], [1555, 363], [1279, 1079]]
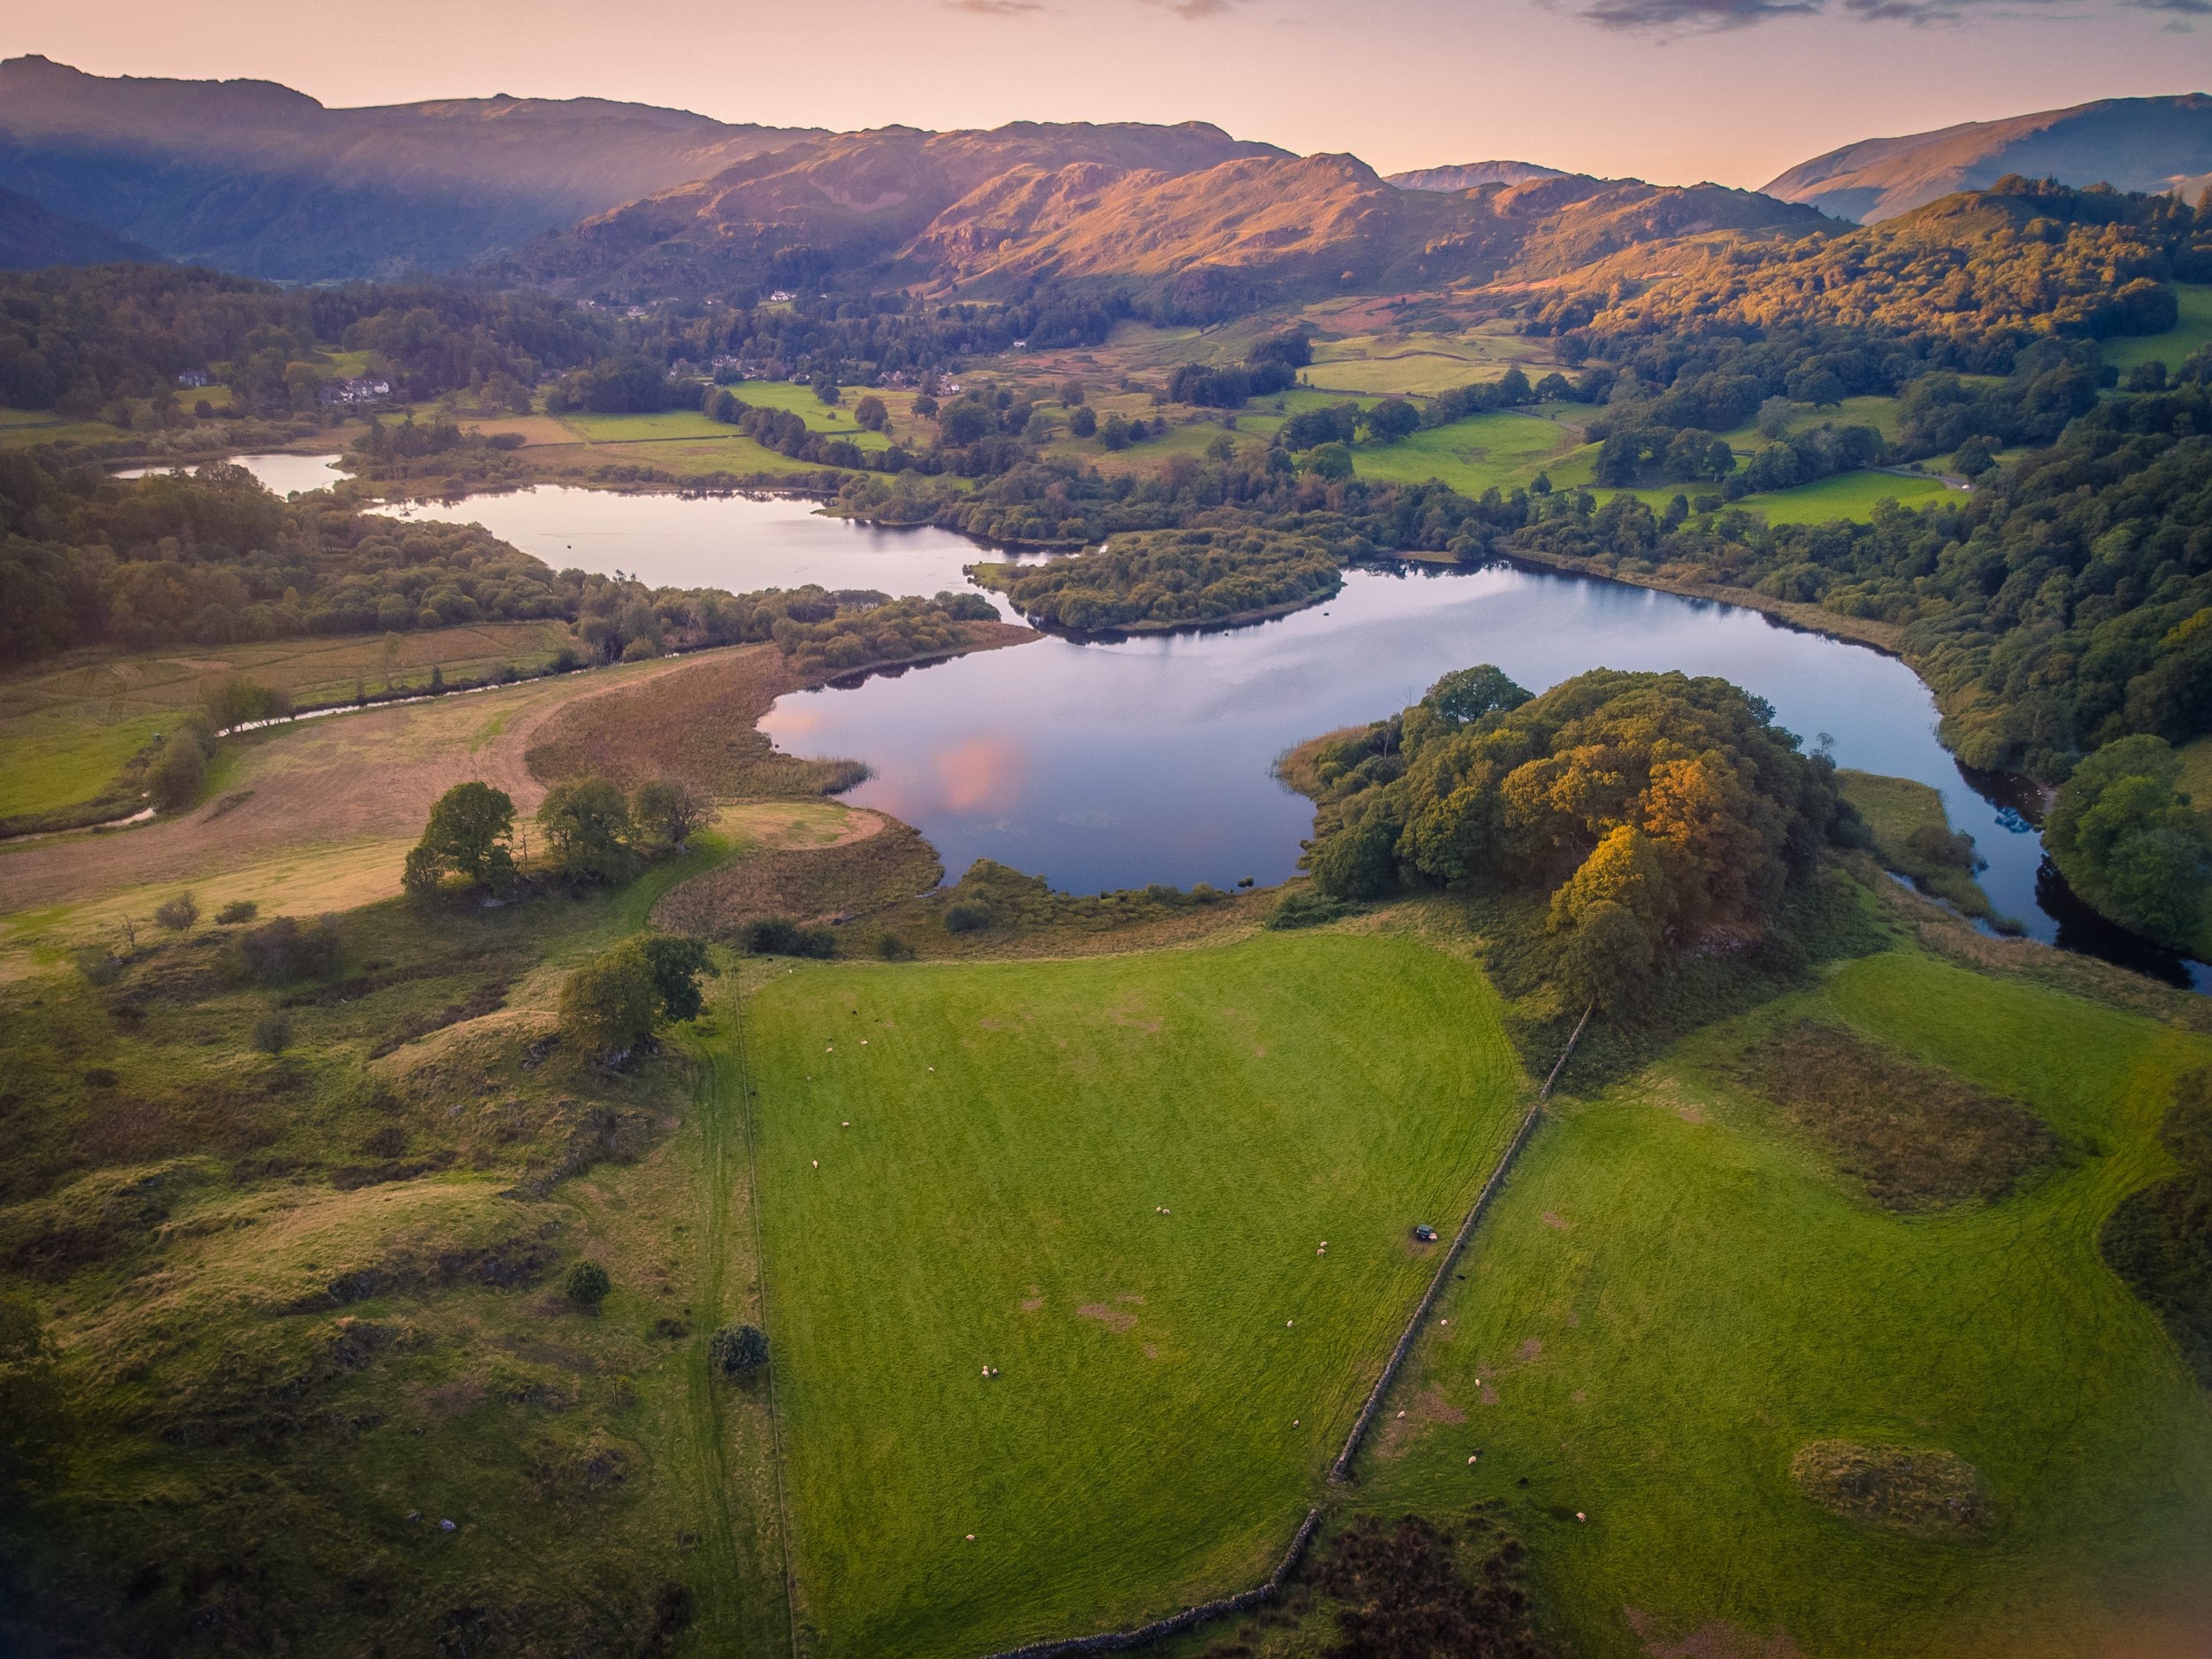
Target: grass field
[[2194, 331], [1677, 1291], [1417, 364], [1499, 449], [1898, 809], [67, 726], [1137, 1450], [1846, 495]]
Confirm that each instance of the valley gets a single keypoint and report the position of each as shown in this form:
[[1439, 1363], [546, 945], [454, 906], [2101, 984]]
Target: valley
[[1006, 890]]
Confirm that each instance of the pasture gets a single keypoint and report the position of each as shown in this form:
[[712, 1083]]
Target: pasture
[[1681, 1290], [1111, 1188], [1846, 495], [2192, 333], [1499, 449]]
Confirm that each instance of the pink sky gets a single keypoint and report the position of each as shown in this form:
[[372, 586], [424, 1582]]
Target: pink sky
[[1402, 83]]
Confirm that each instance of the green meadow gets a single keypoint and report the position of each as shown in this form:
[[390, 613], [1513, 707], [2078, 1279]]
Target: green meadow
[[2193, 331], [1498, 450], [1679, 1289], [1109, 1179]]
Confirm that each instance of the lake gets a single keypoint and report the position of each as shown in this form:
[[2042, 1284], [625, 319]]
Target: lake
[[1105, 764]]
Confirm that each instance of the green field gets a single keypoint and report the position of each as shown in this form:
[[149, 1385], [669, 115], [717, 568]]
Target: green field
[[1502, 450], [1138, 1450], [1846, 495], [2194, 331], [1677, 1291]]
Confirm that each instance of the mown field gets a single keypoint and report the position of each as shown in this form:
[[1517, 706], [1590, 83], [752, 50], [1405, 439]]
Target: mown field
[[1158, 1423], [1681, 1288]]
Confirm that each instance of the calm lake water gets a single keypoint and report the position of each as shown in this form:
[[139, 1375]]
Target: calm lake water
[[282, 474], [1110, 764]]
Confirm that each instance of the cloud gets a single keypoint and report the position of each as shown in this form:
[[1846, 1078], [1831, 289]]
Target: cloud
[[1190, 10], [1684, 16], [997, 8]]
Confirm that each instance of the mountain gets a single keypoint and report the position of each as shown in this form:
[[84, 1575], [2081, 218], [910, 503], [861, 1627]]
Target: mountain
[[2148, 144], [1468, 174], [1184, 212], [254, 178], [32, 238]]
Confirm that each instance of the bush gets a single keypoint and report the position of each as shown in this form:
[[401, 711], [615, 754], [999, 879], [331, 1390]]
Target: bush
[[273, 1032], [177, 914], [99, 967], [236, 910], [779, 936], [966, 918], [174, 780], [1303, 909], [738, 1350], [587, 1286], [279, 951], [891, 948]]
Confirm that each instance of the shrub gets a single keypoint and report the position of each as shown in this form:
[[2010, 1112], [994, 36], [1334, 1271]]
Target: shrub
[[779, 936], [738, 1350], [236, 910], [966, 918], [891, 948], [587, 1286], [1303, 909], [177, 914], [174, 780], [273, 1032], [99, 967], [281, 950]]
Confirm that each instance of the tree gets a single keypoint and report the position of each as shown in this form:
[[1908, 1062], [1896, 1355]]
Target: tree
[[1356, 862], [587, 1286], [1392, 419], [667, 812], [175, 778], [32, 1406], [621, 996], [872, 412], [607, 1005], [1466, 694], [177, 914], [587, 825], [468, 835], [2130, 844], [1974, 456], [738, 1350], [1083, 422]]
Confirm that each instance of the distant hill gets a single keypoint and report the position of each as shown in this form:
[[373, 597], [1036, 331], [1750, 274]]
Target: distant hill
[[1468, 174], [2146, 144], [257, 178], [32, 238], [1184, 211]]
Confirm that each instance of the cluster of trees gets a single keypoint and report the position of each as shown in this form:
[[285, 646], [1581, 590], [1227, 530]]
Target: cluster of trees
[[1652, 814], [591, 832], [2128, 841], [213, 558], [885, 631], [2023, 258], [1171, 579], [2066, 602]]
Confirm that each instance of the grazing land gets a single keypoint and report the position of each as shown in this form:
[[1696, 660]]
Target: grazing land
[[1111, 1189], [1500, 450], [1681, 1291], [2190, 333]]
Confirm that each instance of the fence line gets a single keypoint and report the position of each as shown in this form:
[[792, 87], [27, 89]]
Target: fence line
[[1340, 1471], [1112, 1641]]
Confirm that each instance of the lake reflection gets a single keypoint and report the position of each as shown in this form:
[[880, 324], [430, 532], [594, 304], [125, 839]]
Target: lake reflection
[[1103, 766], [737, 542]]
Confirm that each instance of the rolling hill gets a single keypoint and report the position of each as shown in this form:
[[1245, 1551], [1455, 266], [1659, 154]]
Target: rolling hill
[[2148, 144], [254, 178], [1184, 212], [32, 238]]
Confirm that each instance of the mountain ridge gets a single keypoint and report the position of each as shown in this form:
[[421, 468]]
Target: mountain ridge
[[2150, 145]]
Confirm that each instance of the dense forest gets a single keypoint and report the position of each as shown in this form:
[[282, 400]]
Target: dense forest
[[1168, 579]]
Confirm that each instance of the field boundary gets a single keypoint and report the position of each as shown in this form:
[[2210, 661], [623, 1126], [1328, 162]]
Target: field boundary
[[760, 1270], [1340, 1471], [1223, 1607]]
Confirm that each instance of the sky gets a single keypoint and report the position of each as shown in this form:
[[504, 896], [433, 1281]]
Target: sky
[[1673, 91]]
